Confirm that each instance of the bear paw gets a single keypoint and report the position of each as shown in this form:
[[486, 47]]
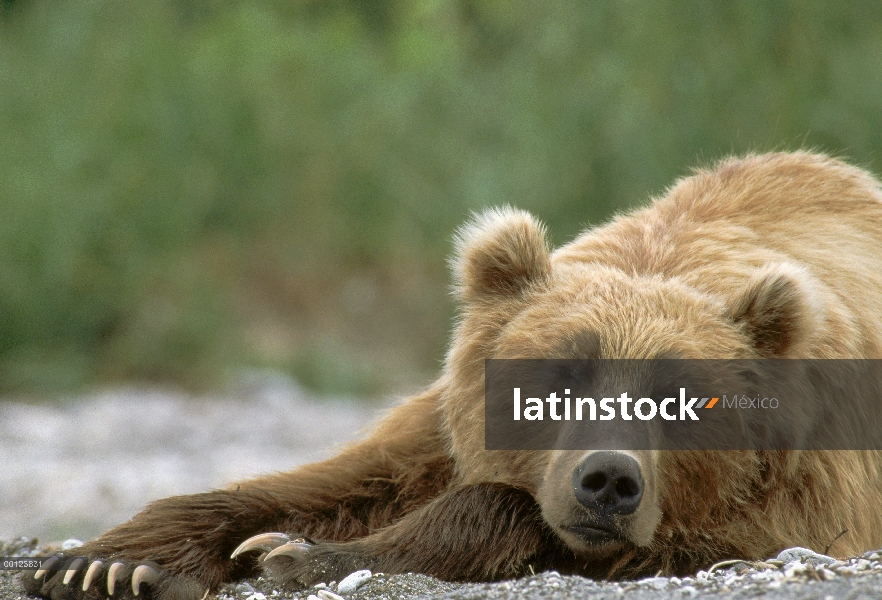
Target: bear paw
[[75, 577], [299, 562]]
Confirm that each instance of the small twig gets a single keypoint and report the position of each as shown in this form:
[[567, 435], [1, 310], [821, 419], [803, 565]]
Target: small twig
[[726, 563], [841, 533]]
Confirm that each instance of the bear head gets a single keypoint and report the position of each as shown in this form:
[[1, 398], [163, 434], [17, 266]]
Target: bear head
[[520, 300]]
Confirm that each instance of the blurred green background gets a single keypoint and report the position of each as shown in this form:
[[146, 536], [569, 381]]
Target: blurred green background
[[191, 187]]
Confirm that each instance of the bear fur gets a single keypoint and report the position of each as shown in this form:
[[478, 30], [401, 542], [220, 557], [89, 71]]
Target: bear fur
[[776, 255]]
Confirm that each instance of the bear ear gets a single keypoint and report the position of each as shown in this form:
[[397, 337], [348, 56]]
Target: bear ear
[[499, 253], [779, 311]]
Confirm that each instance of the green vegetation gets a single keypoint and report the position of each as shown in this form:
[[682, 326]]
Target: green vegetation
[[189, 187]]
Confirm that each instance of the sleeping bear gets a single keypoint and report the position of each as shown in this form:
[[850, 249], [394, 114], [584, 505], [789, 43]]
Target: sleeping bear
[[767, 256]]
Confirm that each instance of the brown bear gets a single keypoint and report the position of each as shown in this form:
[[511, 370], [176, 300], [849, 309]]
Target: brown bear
[[776, 255]]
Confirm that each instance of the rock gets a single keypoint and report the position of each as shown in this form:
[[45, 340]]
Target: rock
[[794, 567], [244, 589], [658, 583], [805, 555], [353, 581]]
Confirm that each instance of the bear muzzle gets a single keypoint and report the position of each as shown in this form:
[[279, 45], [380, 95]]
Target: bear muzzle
[[609, 485], [601, 500]]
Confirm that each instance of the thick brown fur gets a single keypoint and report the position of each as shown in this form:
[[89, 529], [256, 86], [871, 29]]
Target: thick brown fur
[[775, 255]]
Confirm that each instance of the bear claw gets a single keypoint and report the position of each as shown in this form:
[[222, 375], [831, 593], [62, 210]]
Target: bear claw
[[46, 567], [72, 570], [113, 575], [93, 571], [293, 549], [265, 541], [143, 574]]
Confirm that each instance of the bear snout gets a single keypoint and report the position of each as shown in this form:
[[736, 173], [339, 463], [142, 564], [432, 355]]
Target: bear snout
[[608, 484]]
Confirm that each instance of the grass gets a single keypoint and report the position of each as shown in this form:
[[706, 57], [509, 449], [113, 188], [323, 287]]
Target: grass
[[188, 188]]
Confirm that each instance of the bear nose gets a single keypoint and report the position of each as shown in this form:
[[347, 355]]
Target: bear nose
[[609, 483]]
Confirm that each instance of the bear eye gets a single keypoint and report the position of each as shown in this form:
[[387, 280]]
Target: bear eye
[[563, 373], [574, 373]]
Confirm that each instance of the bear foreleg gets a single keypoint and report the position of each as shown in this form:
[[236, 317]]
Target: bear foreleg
[[480, 532]]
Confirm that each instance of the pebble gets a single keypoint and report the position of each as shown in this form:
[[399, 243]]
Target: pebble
[[353, 581], [257, 596], [71, 544], [794, 567], [688, 590], [658, 583], [244, 589], [863, 564], [804, 555], [329, 595]]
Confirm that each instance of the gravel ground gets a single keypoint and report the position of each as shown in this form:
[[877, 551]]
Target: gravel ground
[[796, 574], [74, 468]]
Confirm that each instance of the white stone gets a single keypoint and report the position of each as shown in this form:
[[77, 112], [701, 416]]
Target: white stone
[[658, 583], [794, 568], [244, 589], [804, 555], [353, 581]]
